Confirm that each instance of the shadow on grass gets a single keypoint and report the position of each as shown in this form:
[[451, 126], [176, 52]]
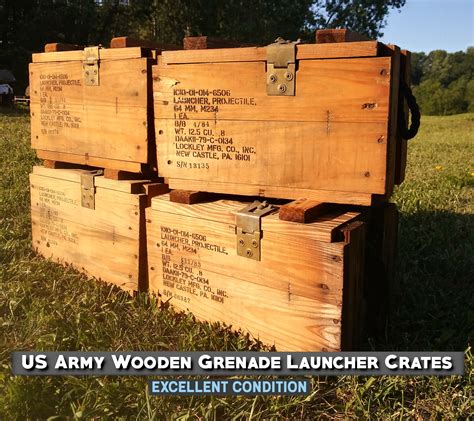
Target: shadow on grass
[[433, 309], [14, 110]]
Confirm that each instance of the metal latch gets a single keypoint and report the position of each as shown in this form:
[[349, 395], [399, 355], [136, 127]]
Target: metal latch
[[90, 66], [281, 67], [88, 188], [248, 228]]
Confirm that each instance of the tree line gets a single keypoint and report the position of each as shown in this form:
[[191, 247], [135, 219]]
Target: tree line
[[444, 82], [26, 25]]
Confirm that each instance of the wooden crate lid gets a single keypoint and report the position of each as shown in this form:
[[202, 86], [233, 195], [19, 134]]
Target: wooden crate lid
[[325, 228], [105, 54], [303, 52], [74, 176]]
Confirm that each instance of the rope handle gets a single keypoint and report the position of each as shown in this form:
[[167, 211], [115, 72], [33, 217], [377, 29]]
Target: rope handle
[[407, 95]]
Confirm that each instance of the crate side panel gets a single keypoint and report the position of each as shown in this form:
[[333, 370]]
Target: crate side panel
[[107, 121], [103, 242], [292, 297], [332, 135]]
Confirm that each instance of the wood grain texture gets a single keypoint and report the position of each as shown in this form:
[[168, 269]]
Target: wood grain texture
[[272, 191], [338, 35], [189, 197], [303, 52], [205, 42], [353, 301], [104, 242], [324, 229], [303, 210], [109, 121], [332, 136], [291, 298], [89, 161], [105, 54], [60, 46], [125, 42]]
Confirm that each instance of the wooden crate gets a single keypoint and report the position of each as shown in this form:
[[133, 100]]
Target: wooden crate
[[223, 126], [300, 290], [93, 106], [93, 223]]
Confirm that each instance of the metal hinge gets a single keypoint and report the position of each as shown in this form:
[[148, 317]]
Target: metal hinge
[[281, 67], [248, 228], [90, 66], [88, 188]]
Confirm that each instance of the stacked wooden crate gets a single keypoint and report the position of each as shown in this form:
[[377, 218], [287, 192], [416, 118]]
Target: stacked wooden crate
[[306, 139], [92, 124]]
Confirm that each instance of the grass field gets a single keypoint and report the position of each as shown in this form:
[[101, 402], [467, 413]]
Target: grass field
[[44, 306]]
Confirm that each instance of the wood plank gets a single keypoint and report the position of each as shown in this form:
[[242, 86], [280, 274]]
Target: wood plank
[[338, 35], [393, 138], [189, 197], [353, 301], [47, 163], [89, 160], [332, 196], [126, 42], [205, 42], [303, 211], [124, 186], [114, 174], [402, 144], [106, 121], [105, 55], [74, 175], [60, 46], [304, 52]]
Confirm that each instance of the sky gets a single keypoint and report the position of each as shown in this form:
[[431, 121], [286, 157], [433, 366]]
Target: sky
[[426, 25]]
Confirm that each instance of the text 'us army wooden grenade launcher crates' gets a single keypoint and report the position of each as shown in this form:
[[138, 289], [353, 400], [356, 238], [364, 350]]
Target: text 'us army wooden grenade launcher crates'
[[93, 106], [316, 121], [97, 225], [293, 285]]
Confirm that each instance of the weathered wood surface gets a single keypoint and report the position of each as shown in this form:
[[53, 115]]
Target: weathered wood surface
[[86, 125], [303, 210], [331, 142], [126, 42], [303, 52], [291, 298], [106, 242], [205, 42], [338, 35], [60, 46], [78, 55]]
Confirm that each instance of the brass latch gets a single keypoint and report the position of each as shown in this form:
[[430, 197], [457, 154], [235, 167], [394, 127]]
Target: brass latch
[[90, 66], [281, 67], [88, 188], [248, 228]]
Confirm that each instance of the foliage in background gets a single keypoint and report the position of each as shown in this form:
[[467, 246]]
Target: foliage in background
[[26, 25], [444, 81], [44, 306]]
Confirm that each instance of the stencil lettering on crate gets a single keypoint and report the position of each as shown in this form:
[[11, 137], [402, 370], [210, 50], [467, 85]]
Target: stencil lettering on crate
[[53, 228], [55, 113], [183, 277], [199, 135]]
